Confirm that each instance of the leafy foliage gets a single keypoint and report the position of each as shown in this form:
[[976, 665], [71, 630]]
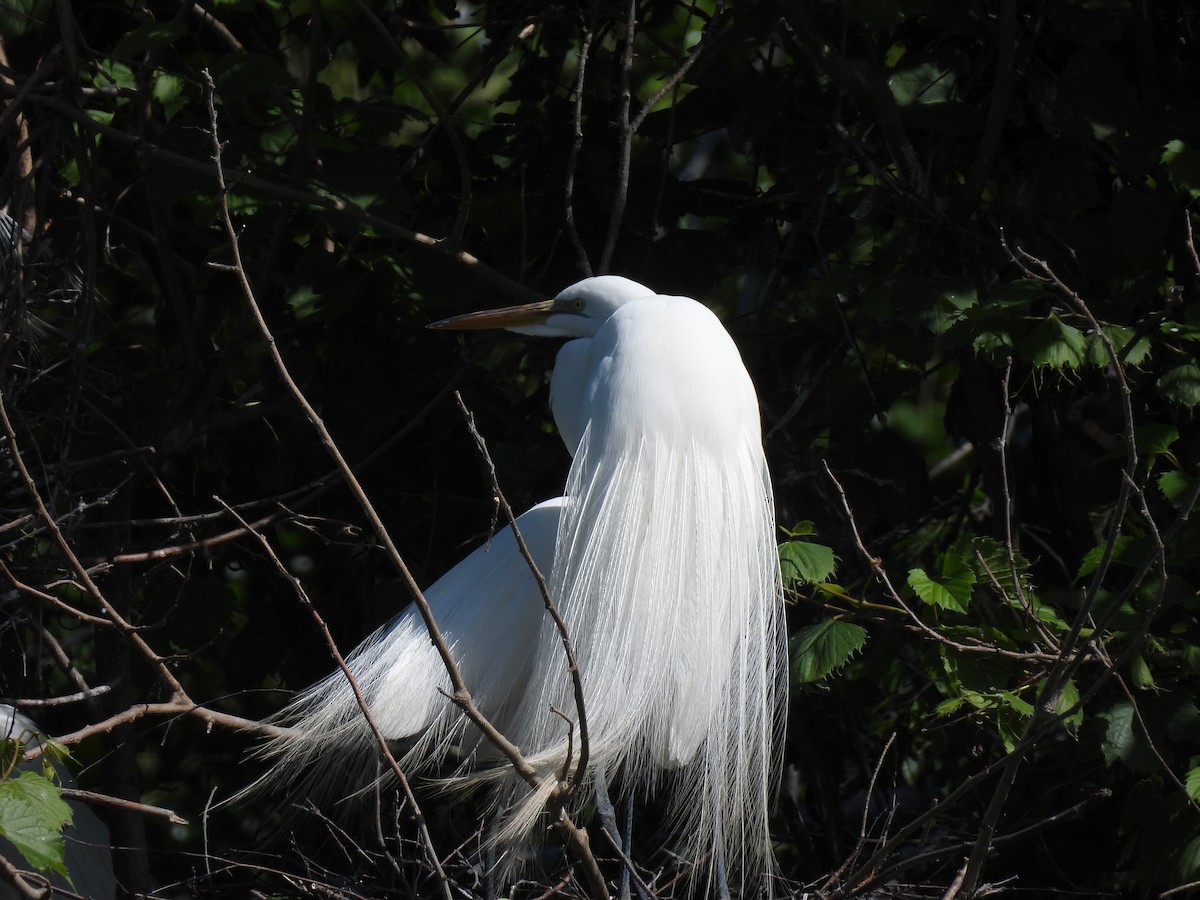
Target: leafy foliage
[[32, 817], [953, 242]]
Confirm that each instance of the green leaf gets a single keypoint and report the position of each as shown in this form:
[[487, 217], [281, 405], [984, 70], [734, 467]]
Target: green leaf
[[951, 589], [1181, 385], [803, 528], [1124, 740], [1132, 350], [805, 562], [1154, 440], [824, 648], [1119, 738], [1127, 551], [1139, 672], [1192, 782], [924, 83], [1188, 862], [20, 16], [32, 816], [1175, 486], [1010, 723], [149, 36], [305, 302], [1066, 700], [1183, 166], [1054, 343]]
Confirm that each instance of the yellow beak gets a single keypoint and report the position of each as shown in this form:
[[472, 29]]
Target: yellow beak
[[505, 317]]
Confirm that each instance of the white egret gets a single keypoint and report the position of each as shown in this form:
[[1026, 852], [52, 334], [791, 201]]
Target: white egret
[[661, 558]]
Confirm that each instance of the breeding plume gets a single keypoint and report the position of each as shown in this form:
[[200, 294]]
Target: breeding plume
[[661, 558]]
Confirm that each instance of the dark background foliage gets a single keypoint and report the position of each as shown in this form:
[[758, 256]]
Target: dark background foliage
[[952, 240]]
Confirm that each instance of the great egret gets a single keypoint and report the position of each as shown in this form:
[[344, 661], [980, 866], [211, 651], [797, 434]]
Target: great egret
[[661, 558]]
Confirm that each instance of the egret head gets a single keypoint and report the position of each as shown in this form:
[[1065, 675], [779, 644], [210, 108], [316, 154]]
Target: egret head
[[578, 311]]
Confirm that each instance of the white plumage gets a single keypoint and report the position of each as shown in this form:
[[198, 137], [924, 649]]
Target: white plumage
[[660, 556]]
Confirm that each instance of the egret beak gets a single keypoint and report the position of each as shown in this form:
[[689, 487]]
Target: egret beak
[[505, 317]]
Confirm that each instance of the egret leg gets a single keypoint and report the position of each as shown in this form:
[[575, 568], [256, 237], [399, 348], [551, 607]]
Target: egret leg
[[722, 885], [490, 891], [627, 847], [608, 821]]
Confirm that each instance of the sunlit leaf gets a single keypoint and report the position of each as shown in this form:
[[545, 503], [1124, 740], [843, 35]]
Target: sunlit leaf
[[924, 83], [950, 589], [1192, 783], [1055, 344], [1183, 166], [1132, 347], [823, 648], [1067, 699], [1181, 385], [1139, 672], [32, 817], [1175, 486], [806, 562]]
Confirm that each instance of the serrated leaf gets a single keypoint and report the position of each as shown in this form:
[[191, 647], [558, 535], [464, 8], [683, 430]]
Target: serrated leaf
[[1175, 486], [1018, 704], [803, 528], [1066, 700], [1132, 349], [149, 35], [951, 589], [947, 706], [1010, 724], [1188, 862], [923, 83], [1153, 440], [823, 648], [1122, 741], [1139, 672], [1183, 166], [1126, 551], [1192, 783], [1181, 385], [1054, 343], [806, 562], [1180, 330], [32, 817]]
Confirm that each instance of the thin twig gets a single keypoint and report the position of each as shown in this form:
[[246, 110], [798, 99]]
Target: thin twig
[[559, 622], [281, 192], [20, 883], [862, 831], [461, 696], [65, 699], [81, 573], [880, 572], [178, 707], [380, 740], [440, 118], [581, 256], [105, 800], [625, 150]]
